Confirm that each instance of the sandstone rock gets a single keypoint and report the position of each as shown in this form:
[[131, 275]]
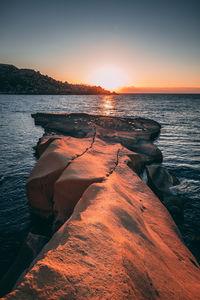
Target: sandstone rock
[[136, 134], [94, 166], [56, 157], [120, 243], [44, 142]]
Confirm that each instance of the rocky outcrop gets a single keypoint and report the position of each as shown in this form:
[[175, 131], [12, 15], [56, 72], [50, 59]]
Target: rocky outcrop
[[89, 168], [99, 139], [58, 155], [113, 239], [161, 182], [136, 134], [120, 243]]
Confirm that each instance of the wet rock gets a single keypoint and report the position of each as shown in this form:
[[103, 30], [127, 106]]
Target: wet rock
[[160, 180], [29, 250]]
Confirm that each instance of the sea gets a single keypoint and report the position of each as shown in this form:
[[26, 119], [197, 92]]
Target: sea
[[179, 141]]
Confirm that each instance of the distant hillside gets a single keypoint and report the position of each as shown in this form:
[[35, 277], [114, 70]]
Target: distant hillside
[[26, 81]]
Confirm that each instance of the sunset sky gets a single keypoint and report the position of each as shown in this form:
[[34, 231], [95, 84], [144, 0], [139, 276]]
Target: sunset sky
[[136, 43]]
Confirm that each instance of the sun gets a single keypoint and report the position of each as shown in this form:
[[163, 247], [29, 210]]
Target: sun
[[108, 77]]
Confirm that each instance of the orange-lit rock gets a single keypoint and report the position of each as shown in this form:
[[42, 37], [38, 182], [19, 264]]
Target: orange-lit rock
[[94, 166], [57, 155], [136, 134], [57, 152], [44, 142], [137, 140], [120, 243]]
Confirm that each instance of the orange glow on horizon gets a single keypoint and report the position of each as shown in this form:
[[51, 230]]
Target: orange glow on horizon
[[109, 77], [161, 90], [114, 79]]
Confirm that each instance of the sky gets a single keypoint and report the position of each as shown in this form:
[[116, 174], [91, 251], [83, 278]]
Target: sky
[[143, 43]]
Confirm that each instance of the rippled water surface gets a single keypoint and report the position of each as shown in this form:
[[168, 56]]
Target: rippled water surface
[[179, 141]]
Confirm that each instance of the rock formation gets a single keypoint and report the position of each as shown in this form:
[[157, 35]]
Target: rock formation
[[116, 239], [59, 153], [92, 144], [161, 182]]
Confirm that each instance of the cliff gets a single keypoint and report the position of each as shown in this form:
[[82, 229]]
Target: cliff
[[112, 237], [27, 81]]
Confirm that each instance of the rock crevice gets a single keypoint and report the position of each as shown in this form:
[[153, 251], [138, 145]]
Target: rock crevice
[[113, 237], [111, 250]]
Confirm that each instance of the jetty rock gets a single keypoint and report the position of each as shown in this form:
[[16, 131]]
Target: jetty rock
[[120, 243], [92, 144], [113, 238], [58, 155]]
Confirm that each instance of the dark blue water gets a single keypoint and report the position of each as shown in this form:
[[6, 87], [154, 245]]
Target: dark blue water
[[179, 141]]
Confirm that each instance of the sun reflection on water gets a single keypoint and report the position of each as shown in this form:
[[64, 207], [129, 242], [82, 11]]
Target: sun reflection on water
[[108, 105]]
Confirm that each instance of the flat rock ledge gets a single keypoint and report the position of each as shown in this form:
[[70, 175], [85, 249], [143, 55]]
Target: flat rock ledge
[[113, 238]]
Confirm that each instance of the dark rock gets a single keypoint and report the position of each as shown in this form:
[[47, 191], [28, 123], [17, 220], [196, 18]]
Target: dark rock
[[136, 163], [175, 207], [152, 152], [160, 180], [29, 250]]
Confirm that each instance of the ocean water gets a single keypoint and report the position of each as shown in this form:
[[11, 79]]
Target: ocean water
[[179, 141]]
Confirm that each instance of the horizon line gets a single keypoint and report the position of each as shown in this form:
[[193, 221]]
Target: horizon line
[[158, 90]]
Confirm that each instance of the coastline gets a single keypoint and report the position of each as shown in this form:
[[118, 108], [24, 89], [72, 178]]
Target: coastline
[[139, 142]]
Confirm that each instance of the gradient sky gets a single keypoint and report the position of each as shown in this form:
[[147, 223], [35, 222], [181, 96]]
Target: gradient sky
[[154, 43]]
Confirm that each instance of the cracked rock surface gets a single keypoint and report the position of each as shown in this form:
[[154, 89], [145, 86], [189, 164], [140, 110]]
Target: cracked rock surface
[[113, 239], [68, 165], [120, 243], [57, 156]]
